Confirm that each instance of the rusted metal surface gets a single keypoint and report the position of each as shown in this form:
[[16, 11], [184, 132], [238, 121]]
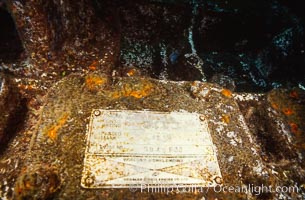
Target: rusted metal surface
[[135, 148], [9, 107], [59, 140]]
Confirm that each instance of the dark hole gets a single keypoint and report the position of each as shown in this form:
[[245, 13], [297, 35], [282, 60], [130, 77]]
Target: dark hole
[[10, 44], [15, 123]]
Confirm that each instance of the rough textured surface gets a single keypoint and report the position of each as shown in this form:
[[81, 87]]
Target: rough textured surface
[[257, 44], [59, 140], [251, 46], [60, 37], [10, 103], [70, 116], [37, 182]]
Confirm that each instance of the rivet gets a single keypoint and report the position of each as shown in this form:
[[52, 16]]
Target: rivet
[[201, 117], [97, 113], [89, 181]]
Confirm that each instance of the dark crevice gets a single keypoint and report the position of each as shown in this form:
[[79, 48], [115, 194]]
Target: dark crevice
[[10, 43], [274, 146], [257, 44], [14, 124]]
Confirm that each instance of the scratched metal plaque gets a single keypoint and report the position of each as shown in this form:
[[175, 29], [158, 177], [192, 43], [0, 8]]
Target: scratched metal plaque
[[134, 148]]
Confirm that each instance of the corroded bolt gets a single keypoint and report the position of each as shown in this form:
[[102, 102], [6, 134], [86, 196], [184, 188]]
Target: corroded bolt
[[201, 117], [89, 181], [97, 113]]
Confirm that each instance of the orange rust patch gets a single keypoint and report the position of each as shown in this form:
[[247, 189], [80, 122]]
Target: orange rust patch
[[193, 83], [93, 65], [116, 95], [141, 90], [94, 81], [226, 93], [288, 111], [131, 72], [225, 119], [294, 128], [294, 94], [19, 190], [144, 91], [52, 132], [27, 185], [26, 87], [274, 106]]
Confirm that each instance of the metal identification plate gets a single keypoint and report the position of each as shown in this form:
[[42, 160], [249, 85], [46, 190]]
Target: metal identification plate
[[134, 148]]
